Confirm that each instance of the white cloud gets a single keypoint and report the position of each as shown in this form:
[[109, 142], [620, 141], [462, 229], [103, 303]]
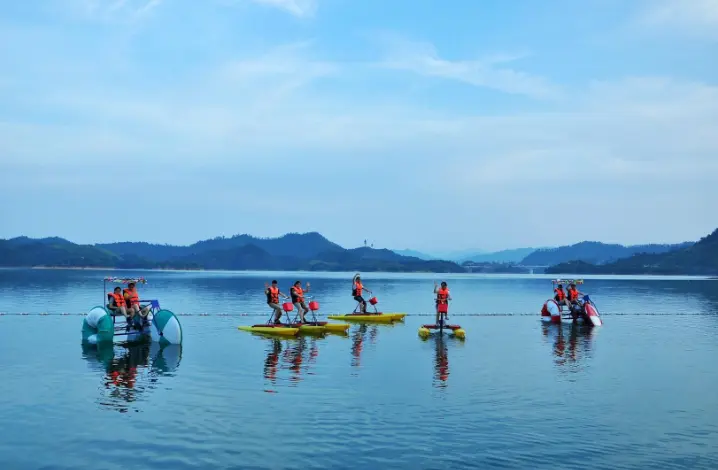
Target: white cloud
[[423, 58], [299, 8], [693, 17], [234, 126]]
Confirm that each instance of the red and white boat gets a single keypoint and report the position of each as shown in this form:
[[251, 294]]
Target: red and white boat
[[581, 311]]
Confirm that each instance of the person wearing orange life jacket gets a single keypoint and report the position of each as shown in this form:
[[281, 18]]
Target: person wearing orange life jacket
[[443, 295], [132, 299], [357, 290], [560, 297], [573, 293], [118, 304], [272, 292], [297, 294]]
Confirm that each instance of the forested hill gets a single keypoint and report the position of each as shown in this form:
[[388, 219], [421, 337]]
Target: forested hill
[[700, 258], [594, 253], [309, 251]]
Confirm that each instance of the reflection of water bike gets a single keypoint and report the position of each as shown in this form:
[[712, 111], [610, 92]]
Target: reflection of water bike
[[582, 310], [442, 326]]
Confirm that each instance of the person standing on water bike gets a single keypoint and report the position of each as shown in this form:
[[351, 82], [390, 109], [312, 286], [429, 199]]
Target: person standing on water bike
[[297, 294], [357, 289], [272, 292], [442, 297]]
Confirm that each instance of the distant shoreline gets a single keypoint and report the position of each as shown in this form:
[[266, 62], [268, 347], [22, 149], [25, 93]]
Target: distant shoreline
[[493, 275]]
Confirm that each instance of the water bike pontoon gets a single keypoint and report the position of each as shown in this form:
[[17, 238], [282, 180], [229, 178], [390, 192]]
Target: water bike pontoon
[[106, 324], [369, 317], [581, 311], [426, 330], [294, 327]]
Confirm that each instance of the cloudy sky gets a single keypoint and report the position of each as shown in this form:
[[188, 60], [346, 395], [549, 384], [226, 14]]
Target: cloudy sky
[[432, 125]]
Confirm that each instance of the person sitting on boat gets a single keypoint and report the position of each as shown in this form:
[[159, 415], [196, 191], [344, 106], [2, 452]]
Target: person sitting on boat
[[442, 297], [560, 297], [272, 292], [357, 290], [117, 304], [132, 299], [574, 294], [297, 294]]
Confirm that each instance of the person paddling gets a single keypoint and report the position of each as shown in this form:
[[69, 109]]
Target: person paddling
[[272, 292], [297, 294], [357, 289], [442, 298]]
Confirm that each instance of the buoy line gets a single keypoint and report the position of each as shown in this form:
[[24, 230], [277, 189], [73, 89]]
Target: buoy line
[[431, 314]]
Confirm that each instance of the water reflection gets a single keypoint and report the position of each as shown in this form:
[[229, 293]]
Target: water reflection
[[359, 337], [294, 354], [572, 343], [129, 371], [440, 343]]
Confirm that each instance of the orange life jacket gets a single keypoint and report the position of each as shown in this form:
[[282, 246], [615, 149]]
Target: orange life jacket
[[358, 287], [560, 293], [134, 297], [572, 295], [273, 295], [298, 294], [442, 296], [119, 300]]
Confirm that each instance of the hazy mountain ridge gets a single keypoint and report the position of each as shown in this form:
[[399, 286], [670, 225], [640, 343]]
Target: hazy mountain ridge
[[700, 258], [310, 251], [595, 252]]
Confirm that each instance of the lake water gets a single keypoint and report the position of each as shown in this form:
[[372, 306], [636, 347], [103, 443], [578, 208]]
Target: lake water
[[640, 392]]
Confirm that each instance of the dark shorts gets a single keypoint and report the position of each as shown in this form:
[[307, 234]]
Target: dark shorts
[[359, 299]]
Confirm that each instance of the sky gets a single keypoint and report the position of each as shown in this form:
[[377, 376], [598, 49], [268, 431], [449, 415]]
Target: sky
[[437, 126]]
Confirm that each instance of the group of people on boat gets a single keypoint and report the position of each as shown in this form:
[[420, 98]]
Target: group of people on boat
[[569, 298], [296, 293], [127, 303]]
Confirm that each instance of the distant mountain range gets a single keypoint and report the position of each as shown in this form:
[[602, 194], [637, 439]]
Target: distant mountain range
[[594, 253], [308, 251], [700, 258], [587, 251], [313, 252]]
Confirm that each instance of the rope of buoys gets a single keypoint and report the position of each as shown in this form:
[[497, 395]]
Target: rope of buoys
[[430, 314]]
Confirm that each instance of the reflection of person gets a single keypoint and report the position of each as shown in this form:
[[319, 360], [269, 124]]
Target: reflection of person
[[272, 292], [441, 362], [357, 290]]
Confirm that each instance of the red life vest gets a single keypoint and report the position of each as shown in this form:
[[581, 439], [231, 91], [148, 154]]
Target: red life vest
[[298, 294], [358, 287], [134, 298], [560, 294], [273, 295], [119, 300], [572, 295], [442, 296]]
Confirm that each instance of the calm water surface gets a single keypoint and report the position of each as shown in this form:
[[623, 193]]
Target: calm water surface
[[641, 392]]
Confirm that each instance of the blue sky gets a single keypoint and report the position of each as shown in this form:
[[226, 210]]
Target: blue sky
[[439, 126]]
